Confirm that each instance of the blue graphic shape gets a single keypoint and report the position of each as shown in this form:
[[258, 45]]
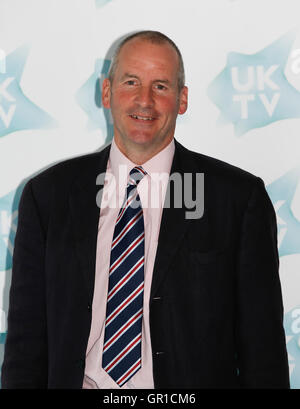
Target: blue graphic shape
[[292, 331], [89, 99], [252, 91], [101, 3], [282, 192], [17, 112], [8, 225]]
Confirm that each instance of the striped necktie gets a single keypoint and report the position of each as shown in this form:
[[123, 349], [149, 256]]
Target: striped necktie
[[124, 311]]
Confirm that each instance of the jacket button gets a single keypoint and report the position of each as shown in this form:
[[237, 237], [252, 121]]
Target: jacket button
[[159, 353], [157, 298], [89, 307]]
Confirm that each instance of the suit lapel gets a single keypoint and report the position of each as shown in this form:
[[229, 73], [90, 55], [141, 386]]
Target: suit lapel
[[85, 219], [173, 225], [85, 215]]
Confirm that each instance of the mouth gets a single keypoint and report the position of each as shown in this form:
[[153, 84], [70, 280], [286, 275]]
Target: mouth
[[142, 118]]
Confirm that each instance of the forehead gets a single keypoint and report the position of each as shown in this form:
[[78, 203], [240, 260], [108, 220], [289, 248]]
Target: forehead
[[146, 57]]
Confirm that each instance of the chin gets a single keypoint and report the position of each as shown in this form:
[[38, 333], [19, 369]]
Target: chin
[[142, 139]]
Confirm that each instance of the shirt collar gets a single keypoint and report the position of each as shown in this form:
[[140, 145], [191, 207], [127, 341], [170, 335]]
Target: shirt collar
[[159, 163]]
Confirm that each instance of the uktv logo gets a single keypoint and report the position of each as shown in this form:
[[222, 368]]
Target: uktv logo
[[252, 91], [17, 112]]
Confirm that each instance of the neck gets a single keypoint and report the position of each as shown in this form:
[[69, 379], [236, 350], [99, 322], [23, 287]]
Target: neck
[[139, 154]]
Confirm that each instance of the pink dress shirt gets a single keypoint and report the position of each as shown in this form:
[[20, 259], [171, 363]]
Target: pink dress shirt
[[152, 190]]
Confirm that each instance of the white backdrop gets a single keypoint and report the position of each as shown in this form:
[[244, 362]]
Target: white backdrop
[[242, 61]]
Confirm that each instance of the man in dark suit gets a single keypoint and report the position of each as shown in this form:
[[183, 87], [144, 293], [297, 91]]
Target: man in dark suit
[[212, 312]]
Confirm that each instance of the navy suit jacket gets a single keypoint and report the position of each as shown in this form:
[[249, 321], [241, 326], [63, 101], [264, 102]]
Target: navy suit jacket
[[216, 308]]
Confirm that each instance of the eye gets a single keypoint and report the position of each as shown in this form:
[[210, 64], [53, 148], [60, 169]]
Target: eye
[[160, 87], [130, 82]]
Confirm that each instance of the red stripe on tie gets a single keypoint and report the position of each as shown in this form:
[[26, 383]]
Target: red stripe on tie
[[128, 201], [125, 302], [124, 279], [135, 243], [141, 170], [129, 372], [123, 329], [117, 239], [135, 341]]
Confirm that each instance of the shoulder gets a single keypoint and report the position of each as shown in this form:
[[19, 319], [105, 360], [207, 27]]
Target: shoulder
[[70, 168], [65, 172], [55, 182], [213, 165], [222, 180]]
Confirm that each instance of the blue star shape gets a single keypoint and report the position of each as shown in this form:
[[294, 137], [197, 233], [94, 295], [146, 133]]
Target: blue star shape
[[17, 112], [8, 225], [252, 91], [292, 331], [282, 192], [89, 99]]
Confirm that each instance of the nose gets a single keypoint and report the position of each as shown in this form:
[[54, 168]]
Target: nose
[[145, 97]]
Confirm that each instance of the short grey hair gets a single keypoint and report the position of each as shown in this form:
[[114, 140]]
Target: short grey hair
[[154, 37]]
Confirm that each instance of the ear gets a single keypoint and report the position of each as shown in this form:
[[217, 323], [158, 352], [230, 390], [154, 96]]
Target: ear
[[106, 93], [183, 100]]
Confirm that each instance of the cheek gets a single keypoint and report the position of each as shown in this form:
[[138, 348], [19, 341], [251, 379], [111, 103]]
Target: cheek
[[119, 105], [169, 105], [122, 97]]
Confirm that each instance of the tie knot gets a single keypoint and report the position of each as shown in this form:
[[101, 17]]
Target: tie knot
[[136, 175]]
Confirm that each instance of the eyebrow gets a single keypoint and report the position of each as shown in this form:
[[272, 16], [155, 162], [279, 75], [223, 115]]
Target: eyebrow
[[128, 75]]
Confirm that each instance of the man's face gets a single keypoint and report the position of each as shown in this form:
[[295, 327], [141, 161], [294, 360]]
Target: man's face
[[144, 98]]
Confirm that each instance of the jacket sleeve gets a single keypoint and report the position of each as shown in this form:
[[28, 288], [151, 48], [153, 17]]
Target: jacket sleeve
[[25, 356], [261, 345]]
